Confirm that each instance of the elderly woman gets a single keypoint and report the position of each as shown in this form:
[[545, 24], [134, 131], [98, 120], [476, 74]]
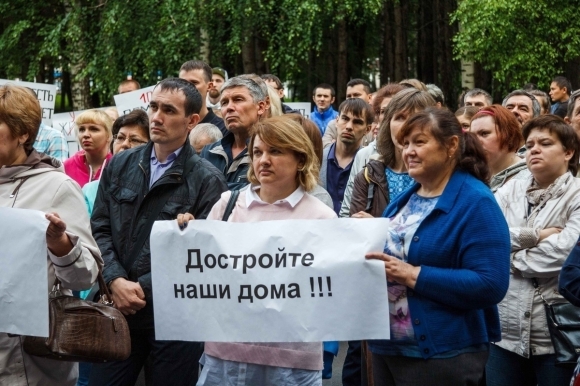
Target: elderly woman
[[30, 180], [446, 270], [543, 214], [385, 176], [284, 168], [500, 135], [94, 131]]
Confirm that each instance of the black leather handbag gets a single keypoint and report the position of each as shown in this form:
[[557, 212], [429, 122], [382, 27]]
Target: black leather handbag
[[564, 325]]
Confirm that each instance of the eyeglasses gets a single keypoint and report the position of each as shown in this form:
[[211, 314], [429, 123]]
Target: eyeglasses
[[133, 141]]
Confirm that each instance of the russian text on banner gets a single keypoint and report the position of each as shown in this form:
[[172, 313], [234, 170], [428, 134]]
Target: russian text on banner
[[45, 92], [271, 281], [23, 277], [129, 101]]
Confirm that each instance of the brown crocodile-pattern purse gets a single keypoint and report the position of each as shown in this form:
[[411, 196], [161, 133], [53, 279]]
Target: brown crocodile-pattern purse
[[81, 330]]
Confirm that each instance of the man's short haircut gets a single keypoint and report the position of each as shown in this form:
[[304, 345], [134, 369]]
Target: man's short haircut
[[257, 92], [571, 102], [509, 132], [356, 81], [129, 81], [192, 96], [387, 91], [544, 102], [324, 86], [136, 117], [205, 129], [478, 91], [192, 65], [563, 82], [20, 111], [259, 81], [358, 108], [536, 109], [273, 78], [436, 93]]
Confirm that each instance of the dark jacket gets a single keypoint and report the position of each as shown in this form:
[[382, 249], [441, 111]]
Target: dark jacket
[[215, 120], [235, 170], [370, 192], [569, 283], [124, 202]]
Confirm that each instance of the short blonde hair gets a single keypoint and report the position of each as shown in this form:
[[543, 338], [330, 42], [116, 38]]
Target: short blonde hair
[[20, 111], [96, 117], [285, 133]]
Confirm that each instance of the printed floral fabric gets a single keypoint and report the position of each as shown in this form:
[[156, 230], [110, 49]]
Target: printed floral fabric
[[401, 230]]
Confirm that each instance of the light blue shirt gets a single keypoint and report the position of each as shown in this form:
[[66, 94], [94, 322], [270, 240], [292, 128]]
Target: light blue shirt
[[158, 168]]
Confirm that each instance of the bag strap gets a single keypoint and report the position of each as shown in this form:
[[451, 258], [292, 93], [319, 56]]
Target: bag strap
[[231, 204], [161, 200]]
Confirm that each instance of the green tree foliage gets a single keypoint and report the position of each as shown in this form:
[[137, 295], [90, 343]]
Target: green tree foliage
[[519, 41]]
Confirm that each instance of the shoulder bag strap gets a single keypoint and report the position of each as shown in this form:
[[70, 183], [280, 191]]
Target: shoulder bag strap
[[231, 204], [161, 200]]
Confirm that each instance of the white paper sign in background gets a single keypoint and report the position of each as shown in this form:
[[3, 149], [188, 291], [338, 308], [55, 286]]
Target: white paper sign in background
[[271, 281], [23, 277], [46, 94], [304, 108], [129, 101]]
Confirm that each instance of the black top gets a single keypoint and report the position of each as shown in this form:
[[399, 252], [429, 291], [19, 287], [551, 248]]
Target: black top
[[215, 120]]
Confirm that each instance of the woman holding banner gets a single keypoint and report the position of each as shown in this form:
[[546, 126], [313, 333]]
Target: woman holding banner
[[94, 131], [30, 180], [284, 168], [446, 270]]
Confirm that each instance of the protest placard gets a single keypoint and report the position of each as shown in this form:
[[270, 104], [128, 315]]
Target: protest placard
[[23, 277], [129, 101], [45, 93], [271, 281], [304, 108]]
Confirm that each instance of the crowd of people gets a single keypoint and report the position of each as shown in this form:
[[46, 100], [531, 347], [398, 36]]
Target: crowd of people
[[483, 206]]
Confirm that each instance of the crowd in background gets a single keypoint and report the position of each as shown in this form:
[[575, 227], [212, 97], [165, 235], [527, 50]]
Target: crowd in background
[[483, 203]]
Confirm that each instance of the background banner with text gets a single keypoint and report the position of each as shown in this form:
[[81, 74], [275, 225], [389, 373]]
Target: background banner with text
[[271, 281]]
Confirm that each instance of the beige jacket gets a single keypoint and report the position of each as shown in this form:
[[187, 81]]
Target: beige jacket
[[522, 316], [48, 189]]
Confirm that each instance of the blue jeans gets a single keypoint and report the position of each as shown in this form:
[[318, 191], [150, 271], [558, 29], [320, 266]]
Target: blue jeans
[[174, 363], [505, 368]]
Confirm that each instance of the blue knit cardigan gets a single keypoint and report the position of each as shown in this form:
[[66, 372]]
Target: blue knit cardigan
[[463, 249]]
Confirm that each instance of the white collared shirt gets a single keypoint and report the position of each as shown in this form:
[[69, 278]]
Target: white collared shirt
[[252, 197]]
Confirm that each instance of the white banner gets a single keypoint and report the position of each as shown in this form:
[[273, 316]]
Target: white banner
[[305, 108], [45, 93], [23, 286], [271, 281], [129, 101]]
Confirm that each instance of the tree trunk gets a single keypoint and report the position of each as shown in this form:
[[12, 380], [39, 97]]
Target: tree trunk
[[249, 54], [401, 60], [75, 43], [204, 50], [342, 70]]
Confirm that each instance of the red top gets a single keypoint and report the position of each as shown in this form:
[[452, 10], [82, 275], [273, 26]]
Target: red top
[[77, 168]]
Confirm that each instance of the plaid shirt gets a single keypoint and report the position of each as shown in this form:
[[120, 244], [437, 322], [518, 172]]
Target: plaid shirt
[[51, 142]]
